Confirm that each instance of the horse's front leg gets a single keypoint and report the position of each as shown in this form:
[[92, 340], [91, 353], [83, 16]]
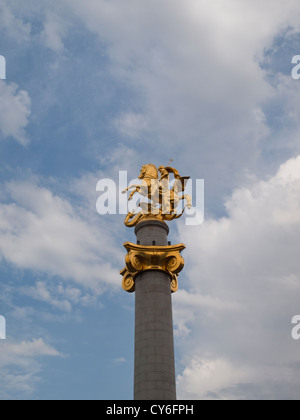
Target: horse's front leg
[[137, 190], [129, 188], [132, 194]]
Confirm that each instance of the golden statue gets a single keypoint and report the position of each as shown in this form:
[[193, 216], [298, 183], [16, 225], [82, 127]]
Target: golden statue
[[163, 196], [163, 199]]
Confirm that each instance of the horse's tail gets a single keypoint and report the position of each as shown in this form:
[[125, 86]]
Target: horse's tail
[[131, 223]]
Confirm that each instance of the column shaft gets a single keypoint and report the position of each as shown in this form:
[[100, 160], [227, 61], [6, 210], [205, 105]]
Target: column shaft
[[154, 375]]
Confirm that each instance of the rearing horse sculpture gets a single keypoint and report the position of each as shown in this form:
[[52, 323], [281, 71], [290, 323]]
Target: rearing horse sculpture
[[163, 200]]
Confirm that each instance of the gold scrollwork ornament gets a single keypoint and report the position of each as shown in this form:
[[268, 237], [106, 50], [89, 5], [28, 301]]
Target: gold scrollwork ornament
[[144, 258]]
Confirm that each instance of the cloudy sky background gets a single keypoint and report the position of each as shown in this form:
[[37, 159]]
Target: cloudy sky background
[[97, 86]]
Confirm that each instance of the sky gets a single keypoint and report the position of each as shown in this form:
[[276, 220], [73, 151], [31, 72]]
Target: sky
[[94, 87]]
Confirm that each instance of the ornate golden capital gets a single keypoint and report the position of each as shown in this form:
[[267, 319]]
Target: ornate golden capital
[[145, 258]]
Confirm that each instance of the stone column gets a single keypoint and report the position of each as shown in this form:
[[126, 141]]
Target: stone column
[[154, 371]]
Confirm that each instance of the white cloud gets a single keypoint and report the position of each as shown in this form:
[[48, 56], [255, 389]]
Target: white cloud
[[43, 232], [59, 296], [26, 349], [20, 366], [197, 75], [54, 30], [195, 70], [242, 276], [15, 110], [12, 25], [42, 293], [131, 124], [213, 375]]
